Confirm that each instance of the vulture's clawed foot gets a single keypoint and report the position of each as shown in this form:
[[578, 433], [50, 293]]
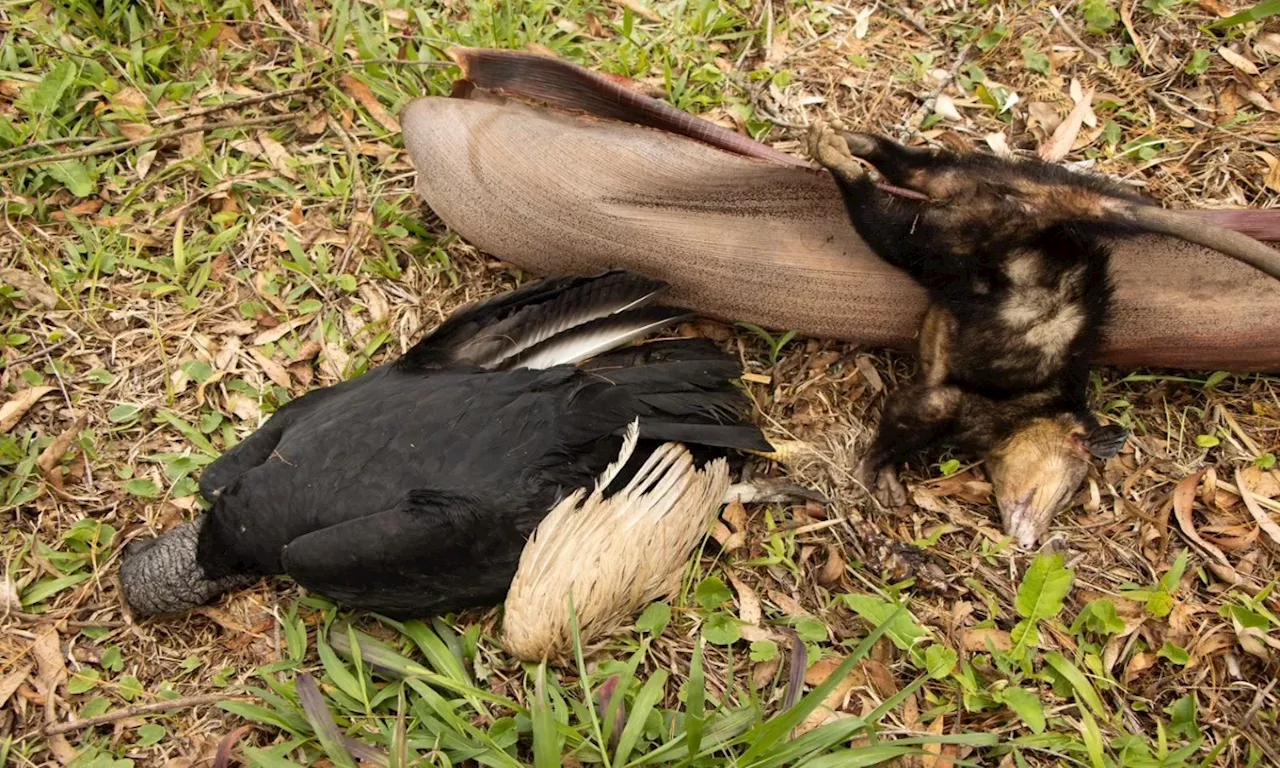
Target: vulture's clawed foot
[[771, 492]]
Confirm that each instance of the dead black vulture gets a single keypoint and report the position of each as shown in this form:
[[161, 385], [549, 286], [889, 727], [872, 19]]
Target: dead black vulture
[[413, 489]]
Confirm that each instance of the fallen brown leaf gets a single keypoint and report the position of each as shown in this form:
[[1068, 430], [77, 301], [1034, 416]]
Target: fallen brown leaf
[[976, 640], [278, 156], [1270, 526], [1137, 665], [11, 681], [1183, 496], [274, 370], [833, 569], [52, 456], [1064, 136], [18, 405], [280, 331], [788, 604], [1238, 61], [34, 288], [748, 603], [361, 93]]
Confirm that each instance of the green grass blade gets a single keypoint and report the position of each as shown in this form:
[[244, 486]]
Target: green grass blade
[[322, 723], [1262, 10], [546, 749], [763, 737], [860, 756], [721, 730], [695, 707], [1083, 689], [650, 694]]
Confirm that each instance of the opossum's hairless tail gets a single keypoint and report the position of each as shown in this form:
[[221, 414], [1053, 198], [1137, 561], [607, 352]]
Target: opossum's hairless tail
[[1195, 229]]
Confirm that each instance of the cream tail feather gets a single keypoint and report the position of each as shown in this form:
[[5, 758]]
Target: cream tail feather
[[611, 555]]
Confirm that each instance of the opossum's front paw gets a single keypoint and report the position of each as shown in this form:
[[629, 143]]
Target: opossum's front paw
[[889, 489], [882, 485], [827, 146]]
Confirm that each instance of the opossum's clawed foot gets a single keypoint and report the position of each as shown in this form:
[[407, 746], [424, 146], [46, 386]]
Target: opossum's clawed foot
[[829, 149], [766, 492], [882, 485]]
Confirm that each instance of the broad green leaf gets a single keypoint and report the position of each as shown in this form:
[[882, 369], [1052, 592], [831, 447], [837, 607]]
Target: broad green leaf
[[764, 650], [722, 629], [336, 670], [902, 628], [712, 593], [1044, 586], [695, 701], [44, 98], [654, 619], [142, 487], [74, 176], [45, 588], [1100, 617], [1262, 10], [1027, 706], [939, 661], [1076, 679], [1174, 653]]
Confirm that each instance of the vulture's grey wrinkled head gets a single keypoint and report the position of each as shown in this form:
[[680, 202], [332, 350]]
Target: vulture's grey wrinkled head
[[162, 577]]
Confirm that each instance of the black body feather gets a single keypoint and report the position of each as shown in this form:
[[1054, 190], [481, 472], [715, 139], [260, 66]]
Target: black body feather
[[411, 490]]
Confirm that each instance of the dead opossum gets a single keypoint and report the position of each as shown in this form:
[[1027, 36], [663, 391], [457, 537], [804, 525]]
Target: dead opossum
[[1014, 255]]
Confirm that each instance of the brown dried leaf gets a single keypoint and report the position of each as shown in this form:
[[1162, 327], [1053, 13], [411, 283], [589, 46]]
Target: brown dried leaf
[[640, 9], [243, 407], [302, 372], [191, 145], [735, 516], [334, 362], [868, 371], [748, 602], [817, 675], [51, 456], [1238, 61], [10, 682], [788, 604], [764, 672], [34, 288], [1268, 525], [280, 331], [1183, 496], [361, 93], [975, 640], [833, 569], [1137, 665], [274, 370], [135, 131], [1064, 136], [18, 405], [933, 757], [278, 156], [308, 351]]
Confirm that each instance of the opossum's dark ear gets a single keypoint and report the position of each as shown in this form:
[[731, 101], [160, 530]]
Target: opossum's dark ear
[[1105, 442]]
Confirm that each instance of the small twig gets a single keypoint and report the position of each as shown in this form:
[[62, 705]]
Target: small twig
[[41, 353], [50, 143], [139, 709], [929, 101], [163, 136], [1075, 36], [239, 104]]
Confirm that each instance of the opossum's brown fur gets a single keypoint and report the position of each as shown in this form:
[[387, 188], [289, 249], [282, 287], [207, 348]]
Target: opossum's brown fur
[[1014, 256]]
